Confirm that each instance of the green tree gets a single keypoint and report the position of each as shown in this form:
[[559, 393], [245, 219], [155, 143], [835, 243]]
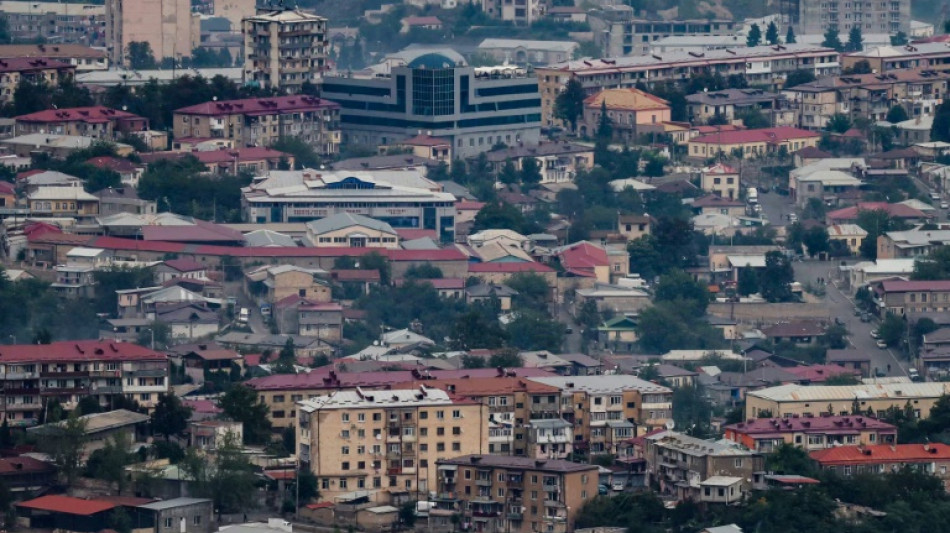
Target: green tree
[[838, 123], [754, 37], [64, 443], [816, 240], [477, 329], [859, 67], [799, 77], [855, 39], [771, 33], [533, 291], [508, 173], [681, 289], [170, 416], [531, 330], [530, 171], [790, 35], [899, 39], [654, 167], [89, 405], [228, 478], [876, 222], [569, 104], [748, 282], [108, 463], [242, 404], [754, 118], [308, 491], [777, 277], [892, 329], [501, 215], [304, 154], [423, 271], [896, 114], [940, 130], [407, 514], [833, 38], [472, 361], [140, 56], [605, 130], [505, 359], [935, 266]]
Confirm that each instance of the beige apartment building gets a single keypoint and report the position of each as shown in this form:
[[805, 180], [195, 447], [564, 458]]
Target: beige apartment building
[[274, 283], [721, 180], [164, 24], [284, 49], [351, 230], [385, 443], [48, 71], [262, 121], [606, 410], [513, 494], [902, 297], [813, 400]]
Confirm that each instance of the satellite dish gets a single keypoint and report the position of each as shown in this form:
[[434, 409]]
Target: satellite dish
[[670, 425]]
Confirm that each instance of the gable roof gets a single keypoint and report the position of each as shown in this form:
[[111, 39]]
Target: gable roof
[[626, 100], [345, 220], [67, 505], [882, 453], [766, 135]]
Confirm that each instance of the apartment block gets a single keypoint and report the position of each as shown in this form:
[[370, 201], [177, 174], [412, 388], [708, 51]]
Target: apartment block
[[57, 22], [618, 31], [689, 468], [166, 25], [810, 432], [904, 297], [751, 143], [816, 16], [524, 416], [886, 59], [814, 400], [931, 458], [911, 243], [262, 121], [520, 12], [34, 70], [512, 494], [95, 121], [84, 58], [733, 104], [386, 442], [606, 410], [436, 92], [284, 49], [70, 370], [759, 65]]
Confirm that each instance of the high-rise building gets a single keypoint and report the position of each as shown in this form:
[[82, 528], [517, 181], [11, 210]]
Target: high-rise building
[[55, 22], [435, 92], [164, 24], [618, 31], [284, 49], [815, 16]]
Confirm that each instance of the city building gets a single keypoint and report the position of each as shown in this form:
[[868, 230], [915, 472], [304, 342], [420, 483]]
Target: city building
[[84, 58], [814, 400], [810, 433], [931, 458], [513, 494], [347, 229], [721, 180], [911, 243], [61, 24], [618, 32], [35, 70], [262, 121], [887, 59], [606, 410], [63, 201], [751, 143], [735, 104], [434, 91], [71, 370], [689, 468], [97, 121], [273, 283], [385, 443], [524, 52], [284, 49], [166, 25], [852, 235], [402, 199], [557, 162], [901, 297], [256, 160], [816, 16], [759, 65], [520, 12], [628, 111]]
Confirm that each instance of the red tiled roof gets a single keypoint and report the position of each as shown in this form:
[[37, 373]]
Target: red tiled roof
[[322, 306], [410, 234], [23, 464], [894, 210], [29, 64], [524, 266], [184, 265], [68, 505], [201, 231], [7, 188], [217, 355], [813, 152], [27, 173], [352, 274], [206, 406], [259, 106], [882, 453], [426, 140], [290, 301], [469, 205], [112, 163], [96, 114], [78, 351], [583, 257], [327, 378], [720, 168], [768, 135]]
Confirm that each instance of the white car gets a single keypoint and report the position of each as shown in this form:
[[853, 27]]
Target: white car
[[881, 344], [944, 205]]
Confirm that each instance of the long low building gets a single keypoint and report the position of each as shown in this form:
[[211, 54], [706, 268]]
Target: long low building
[[876, 399], [403, 199]]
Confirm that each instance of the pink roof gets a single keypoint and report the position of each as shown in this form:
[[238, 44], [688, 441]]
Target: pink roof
[[205, 406], [720, 168], [583, 257], [894, 210], [768, 135], [353, 274], [327, 378], [7, 188], [524, 266], [468, 205], [446, 283], [818, 373], [184, 265], [322, 306], [882, 453], [259, 106], [411, 234], [712, 200], [78, 114], [808, 424], [68, 505], [27, 64], [78, 351], [112, 163]]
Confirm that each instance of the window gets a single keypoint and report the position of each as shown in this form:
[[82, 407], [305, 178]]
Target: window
[[440, 415], [168, 523], [196, 520], [456, 430], [278, 398], [361, 417], [346, 417], [423, 415], [456, 447], [343, 482], [345, 465], [345, 450], [345, 434], [456, 414]]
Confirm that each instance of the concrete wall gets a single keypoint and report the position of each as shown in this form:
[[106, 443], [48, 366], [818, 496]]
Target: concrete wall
[[767, 313]]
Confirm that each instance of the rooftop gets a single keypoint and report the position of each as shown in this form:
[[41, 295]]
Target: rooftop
[[67, 505], [326, 378], [353, 399], [694, 446], [809, 424], [626, 100], [732, 97], [274, 105], [345, 220], [882, 453], [31, 64], [762, 135], [601, 384], [89, 350], [897, 391], [547, 46], [98, 422], [92, 114]]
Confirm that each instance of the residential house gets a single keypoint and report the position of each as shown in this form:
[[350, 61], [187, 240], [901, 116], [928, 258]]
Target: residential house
[[261, 121], [124, 200], [810, 433], [830, 186], [420, 425], [186, 515], [100, 429], [689, 468], [750, 143], [57, 146], [849, 215], [792, 399], [719, 205], [63, 202], [499, 273], [487, 292], [427, 147], [518, 494], [209, 435], [910, 244], [631, 113], [632, 227], [7, 195], [931, 458], [94, 121], [733, 105], [618, 334], [351, 230], [414, 22], [26, 475], [256, 160], [726, 261], [889, 59], [128, 171], [612, 298], [800, 332], [851, 235], [676, 376], [32, 69], [322, 320], [914, 131], [867, 272], [721, 180], [274, 283], [208, 358], [851, 359], [67, 514], [901, 297], [557, 162], [587, 260], [179, 268]]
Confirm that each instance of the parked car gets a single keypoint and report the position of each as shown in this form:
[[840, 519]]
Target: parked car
[[881, 344], [874, 334], [944, 205]]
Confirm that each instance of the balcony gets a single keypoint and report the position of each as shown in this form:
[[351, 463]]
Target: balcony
[[393, 471], [515, 516], [483, 482], [104, 373], [20, 375], [24, 406], [106, 389], [147, 373], [64, 375]]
